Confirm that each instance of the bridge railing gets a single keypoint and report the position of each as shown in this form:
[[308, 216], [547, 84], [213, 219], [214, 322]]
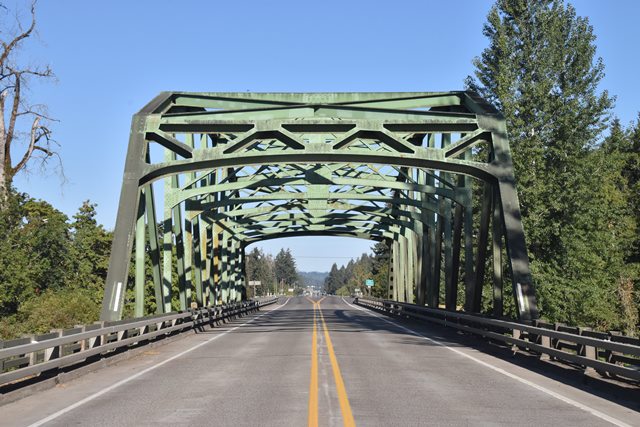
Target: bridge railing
[[609, 354], [27, 357]]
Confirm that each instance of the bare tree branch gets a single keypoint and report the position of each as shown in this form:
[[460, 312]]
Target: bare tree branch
[[32, 144], [11, 45], [14, 111], [28, 112]]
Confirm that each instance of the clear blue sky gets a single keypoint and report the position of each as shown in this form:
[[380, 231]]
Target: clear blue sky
[[112, 57]]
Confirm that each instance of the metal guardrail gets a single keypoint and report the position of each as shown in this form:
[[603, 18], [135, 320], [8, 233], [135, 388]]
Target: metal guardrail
[[29, 356], [609, 354]]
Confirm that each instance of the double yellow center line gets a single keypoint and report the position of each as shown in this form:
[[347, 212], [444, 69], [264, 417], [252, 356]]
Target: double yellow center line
[[345, 408]]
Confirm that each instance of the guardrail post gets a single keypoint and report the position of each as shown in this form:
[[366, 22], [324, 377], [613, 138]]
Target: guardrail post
[[610, 354], [122, 335], [83, 343], [53, 352], [60, 349], [554, 342], [545, 341], [589, 352], [97, 340], [209, 319], [32, 355], [516, 333], [159, 325]]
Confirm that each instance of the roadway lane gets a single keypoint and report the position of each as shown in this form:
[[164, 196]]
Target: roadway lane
[[256, 374], [263, 373], [394, 377]]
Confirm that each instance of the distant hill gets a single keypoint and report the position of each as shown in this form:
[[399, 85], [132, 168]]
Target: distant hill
[[312, 278]]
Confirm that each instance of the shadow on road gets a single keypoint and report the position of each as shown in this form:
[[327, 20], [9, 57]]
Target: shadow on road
[[297, 315]]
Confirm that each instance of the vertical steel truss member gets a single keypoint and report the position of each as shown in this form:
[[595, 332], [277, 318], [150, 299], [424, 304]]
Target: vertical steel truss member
[[239, 168]]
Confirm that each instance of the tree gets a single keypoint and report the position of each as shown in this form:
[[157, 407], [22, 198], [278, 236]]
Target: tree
[[259, 267], [631, 172], [360, 272], [620, 161], [380, 269], [14, 260], [35, 251], [285, 268], [332, 281], [344, 280], [540, 70], [90, 249], [15, 110], [51, 272]]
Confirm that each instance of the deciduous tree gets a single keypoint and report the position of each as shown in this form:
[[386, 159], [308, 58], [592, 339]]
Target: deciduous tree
[[20, 120]]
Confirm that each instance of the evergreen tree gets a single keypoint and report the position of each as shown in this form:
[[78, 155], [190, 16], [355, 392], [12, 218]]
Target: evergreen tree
[[380, 269], [540, 70], [285, 268], [332, 281], [90, 249]]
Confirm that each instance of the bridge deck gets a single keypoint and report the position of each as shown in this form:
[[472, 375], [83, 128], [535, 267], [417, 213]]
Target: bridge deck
[[258, 370]]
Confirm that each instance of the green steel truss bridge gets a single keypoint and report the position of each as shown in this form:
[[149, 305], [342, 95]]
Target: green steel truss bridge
[[429, 173]]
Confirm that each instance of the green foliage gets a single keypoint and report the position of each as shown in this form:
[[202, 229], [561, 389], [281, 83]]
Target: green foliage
[[343, 291], [260, 267], [380, 269], [333, 280], [58, 309], [576, 193], [285, 268], [90, 249], [346, 279], [51, 271], [53, 309], [13, 260], [35, 251]]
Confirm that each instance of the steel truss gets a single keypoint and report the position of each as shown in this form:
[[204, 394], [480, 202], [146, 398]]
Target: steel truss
[[239, 168]]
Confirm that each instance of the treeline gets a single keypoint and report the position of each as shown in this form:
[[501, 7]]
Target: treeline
[[52, 268], [345, 279], [577, 170], [275, 274]]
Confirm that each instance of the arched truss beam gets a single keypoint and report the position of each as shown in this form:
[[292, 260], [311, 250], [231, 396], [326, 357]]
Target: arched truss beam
[[358, 222], [199, 206], [383, 229], [243, 216], [376, 237], [321, 147], [215, 159], [366, 214], [248, 184]]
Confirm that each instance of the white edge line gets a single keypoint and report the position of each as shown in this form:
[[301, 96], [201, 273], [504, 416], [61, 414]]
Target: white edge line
[[551, 393], [139, 374]]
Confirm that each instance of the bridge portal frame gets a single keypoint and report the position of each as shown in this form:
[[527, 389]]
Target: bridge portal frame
[[239, 168]]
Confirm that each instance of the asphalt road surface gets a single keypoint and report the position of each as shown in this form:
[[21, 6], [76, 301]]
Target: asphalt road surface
[[312, 361]]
